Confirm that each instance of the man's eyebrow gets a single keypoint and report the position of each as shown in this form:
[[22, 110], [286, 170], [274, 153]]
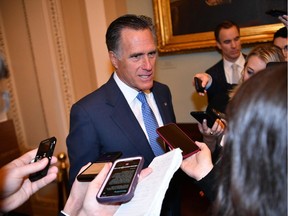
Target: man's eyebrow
[[136, 54]]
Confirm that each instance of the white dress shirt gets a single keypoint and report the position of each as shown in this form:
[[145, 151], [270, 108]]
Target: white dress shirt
[[130, 95], [228, 68]]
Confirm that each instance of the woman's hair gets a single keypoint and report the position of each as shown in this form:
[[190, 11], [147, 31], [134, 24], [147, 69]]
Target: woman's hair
[[267, 53], [253, 175]]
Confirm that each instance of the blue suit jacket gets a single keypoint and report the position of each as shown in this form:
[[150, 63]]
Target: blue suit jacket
[[103, 122]]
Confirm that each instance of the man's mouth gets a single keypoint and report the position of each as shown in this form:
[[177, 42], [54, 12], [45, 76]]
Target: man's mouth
[[145, 76]]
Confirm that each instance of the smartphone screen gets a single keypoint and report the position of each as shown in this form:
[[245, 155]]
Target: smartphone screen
[[176, 138], [121, 178], [121, 181]]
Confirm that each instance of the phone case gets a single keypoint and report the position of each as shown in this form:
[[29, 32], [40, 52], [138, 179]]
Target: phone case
[[114, 189], [201, 115], [46, 149], [174, 137]]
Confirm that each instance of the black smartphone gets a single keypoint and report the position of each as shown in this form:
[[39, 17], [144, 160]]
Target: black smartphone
[[90, 172], [109, 156], [219, 114], [175, 137], [201, 115], [93, 170], [276, 13], [121, 181], [46, 149], [198, 85]]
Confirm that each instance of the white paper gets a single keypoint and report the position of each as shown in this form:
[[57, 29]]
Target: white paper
[[150, 192]]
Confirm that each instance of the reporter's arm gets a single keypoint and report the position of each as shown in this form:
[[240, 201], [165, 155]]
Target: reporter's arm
[[15, 186], [206, 81], [82, 199], [199, 164]]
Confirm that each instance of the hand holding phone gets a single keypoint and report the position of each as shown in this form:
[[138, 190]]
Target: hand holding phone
[[201, 115], [174, 137], [121, 181], [198, 85], [46, 149]]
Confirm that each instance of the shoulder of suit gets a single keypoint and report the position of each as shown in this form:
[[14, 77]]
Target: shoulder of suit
[[216, 67]]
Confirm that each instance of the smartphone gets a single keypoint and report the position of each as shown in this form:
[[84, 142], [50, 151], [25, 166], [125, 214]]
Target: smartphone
[[90, 172], [201, 115], [198, 85], [276, 13], [109, 156], [121, 181], [46, 149], [175, 137], [93, 170]]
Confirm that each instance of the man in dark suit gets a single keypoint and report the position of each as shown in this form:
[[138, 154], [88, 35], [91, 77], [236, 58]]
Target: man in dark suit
[[110, 118], [222, 77]]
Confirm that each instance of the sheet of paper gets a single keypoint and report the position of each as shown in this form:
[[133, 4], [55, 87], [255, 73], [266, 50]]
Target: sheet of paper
[[150, 192]]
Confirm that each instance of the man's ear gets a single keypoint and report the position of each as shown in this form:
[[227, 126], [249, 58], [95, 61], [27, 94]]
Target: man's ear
[[218, 46], [113, 59]]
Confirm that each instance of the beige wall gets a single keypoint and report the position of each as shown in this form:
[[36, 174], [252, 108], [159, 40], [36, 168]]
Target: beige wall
[[56, 53]]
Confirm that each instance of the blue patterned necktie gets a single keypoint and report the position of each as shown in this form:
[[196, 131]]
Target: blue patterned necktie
[[150, 124]]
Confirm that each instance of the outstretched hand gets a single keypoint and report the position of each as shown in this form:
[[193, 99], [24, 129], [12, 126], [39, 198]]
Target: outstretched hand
[[199, 164], [82, 199], [15, 186]]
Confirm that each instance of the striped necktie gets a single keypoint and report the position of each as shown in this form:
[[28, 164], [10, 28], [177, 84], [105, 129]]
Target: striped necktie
[[150, 124]]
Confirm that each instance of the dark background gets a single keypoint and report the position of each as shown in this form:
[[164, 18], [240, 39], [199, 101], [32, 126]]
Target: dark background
[[195, 16]]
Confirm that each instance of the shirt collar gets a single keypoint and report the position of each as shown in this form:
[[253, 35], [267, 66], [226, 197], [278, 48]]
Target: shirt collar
[[239, 62], [129, 93]]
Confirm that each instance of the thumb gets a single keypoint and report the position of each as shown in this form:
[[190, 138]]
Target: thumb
[[33, 167], [201, 145]]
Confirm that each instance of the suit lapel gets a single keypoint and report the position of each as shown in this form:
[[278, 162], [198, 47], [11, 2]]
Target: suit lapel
[[126, 121]]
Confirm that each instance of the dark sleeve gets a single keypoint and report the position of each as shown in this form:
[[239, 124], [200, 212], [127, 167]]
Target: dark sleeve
[[82, 144], [208, 185]]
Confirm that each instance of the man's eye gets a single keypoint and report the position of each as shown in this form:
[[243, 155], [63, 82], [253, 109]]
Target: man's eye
[[136, 57], [237, 39], [152, 55]]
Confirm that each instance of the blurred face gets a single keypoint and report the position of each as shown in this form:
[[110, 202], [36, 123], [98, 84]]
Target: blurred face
[[229, 43], [254, 65], [135, 60], [282, 43]]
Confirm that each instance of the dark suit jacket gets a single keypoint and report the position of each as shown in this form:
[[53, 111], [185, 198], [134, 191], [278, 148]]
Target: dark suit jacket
[[103, 122], [218, 92]]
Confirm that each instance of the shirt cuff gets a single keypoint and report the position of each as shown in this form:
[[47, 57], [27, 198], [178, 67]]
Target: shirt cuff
[[209, 83], [63, 213]]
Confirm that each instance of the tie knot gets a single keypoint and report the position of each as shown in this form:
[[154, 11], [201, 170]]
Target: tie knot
[[141, 97]]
